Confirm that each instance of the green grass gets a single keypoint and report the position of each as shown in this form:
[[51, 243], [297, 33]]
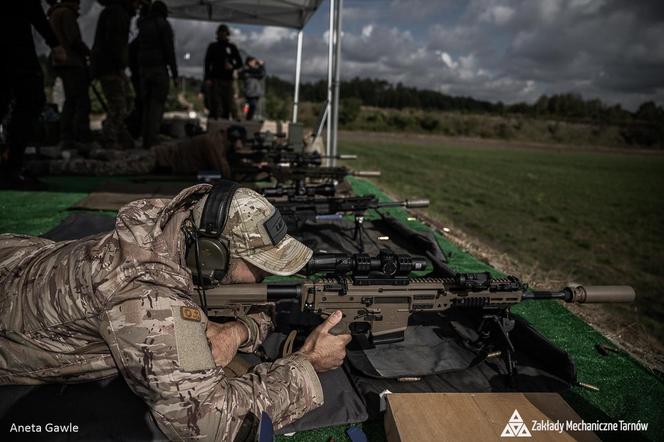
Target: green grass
[[35, 213], [596, 218]]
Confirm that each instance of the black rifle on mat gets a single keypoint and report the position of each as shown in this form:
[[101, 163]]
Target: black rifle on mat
[[310, 208]]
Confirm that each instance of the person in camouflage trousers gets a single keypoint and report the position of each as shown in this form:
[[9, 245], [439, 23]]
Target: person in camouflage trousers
[[121, 303], [109, 60]]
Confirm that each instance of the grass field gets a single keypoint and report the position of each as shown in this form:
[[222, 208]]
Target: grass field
[[589, 217]]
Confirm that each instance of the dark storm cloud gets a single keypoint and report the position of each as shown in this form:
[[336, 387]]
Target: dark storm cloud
[[508, 50]]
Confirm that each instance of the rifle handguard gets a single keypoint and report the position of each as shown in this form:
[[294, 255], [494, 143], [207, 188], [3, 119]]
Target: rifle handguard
[[600, 293]]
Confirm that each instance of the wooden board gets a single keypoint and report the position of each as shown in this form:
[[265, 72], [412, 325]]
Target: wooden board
[[421, 417]]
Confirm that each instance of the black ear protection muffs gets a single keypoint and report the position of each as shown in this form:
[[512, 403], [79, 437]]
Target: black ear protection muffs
[[208, 255]]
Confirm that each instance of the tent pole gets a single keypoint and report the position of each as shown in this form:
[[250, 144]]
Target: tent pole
[[330, 66], [298, 73], [337, 77]]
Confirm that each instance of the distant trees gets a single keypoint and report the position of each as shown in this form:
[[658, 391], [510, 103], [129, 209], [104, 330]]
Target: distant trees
[[382, 94]]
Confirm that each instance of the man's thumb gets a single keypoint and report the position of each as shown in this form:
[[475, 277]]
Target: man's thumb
[[331, 321]]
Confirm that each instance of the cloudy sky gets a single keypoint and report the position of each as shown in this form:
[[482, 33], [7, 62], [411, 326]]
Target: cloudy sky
[[509, 50]]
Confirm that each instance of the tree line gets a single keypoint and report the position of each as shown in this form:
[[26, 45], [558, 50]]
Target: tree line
[[382, 94]]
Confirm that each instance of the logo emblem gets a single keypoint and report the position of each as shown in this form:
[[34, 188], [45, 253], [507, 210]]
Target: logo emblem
[[190, 314], [515, 427]]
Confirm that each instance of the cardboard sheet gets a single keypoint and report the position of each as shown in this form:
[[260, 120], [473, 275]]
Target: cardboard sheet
[[426, 417]]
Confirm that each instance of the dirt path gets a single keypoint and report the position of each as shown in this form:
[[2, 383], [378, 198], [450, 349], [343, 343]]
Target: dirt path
[[483, 143]]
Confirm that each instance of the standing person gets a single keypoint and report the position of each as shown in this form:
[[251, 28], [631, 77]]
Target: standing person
[[75, 117], [222, 59], [133, 120], [21, 83], [110, 57], [252, 84], [156, 52]]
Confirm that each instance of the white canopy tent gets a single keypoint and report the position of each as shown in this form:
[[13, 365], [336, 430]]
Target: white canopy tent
[[283, 13]]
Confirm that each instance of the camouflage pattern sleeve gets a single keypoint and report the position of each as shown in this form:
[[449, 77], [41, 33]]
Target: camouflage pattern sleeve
[[158, 342], [259, 326]]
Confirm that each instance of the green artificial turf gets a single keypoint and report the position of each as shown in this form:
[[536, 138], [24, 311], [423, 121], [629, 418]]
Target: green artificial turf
[[628, 391]]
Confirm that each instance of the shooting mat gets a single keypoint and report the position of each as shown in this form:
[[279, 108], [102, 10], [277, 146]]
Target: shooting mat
[[542, 367], [80, 225], [339, 236], [112, 195]]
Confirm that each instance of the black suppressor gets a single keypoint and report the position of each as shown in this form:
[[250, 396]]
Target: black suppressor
[[386, 263]]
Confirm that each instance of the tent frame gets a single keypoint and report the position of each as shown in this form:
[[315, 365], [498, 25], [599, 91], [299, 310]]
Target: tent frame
[[282, 13], [331, 112]]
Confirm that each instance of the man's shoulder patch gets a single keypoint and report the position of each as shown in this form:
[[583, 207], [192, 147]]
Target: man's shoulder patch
[[190, 314], [192, 345]]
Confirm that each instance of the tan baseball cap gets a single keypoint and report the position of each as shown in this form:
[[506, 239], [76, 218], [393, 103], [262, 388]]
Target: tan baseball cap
[[257, 233]]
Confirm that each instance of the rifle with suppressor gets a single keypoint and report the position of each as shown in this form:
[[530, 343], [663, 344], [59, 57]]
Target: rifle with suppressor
[[337, 173], [296, 159], [300, 191], [377, 297], [298, 210], [285, 157], [244, 170]]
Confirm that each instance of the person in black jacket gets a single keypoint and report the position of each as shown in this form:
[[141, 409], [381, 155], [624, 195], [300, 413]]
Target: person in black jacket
[[75, 117], [133, 120], [21, 82], [110, 57], [222, 59], [156, 52]]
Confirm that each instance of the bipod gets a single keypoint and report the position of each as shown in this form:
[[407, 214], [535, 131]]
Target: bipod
[[498, 328], [359, 231]]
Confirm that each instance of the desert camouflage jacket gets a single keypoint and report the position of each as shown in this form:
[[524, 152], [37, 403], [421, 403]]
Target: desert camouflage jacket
[[80, 310]]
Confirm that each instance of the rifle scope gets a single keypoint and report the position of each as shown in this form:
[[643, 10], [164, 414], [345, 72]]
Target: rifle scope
[[307, 159], [281, 191], [386, 263]]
